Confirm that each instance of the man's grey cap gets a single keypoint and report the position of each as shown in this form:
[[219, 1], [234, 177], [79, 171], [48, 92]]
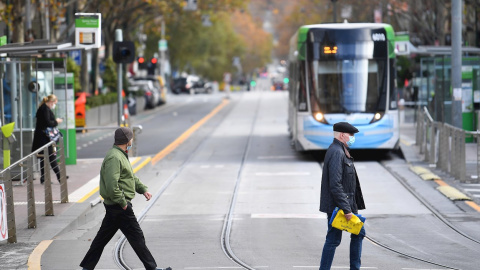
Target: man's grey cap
[[123, 135], [344, 127]]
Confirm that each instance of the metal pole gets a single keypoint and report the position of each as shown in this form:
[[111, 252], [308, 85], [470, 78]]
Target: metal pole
[[162, 51], [457, 63], [28, 21], [335, 11], [119, 37], [12, 228], [32, 212], [63, 173]]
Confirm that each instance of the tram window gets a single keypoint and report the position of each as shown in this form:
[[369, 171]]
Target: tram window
[[348, 86], [302, 91]]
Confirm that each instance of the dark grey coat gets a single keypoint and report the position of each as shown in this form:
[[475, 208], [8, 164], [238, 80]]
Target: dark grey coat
[[340, 184]]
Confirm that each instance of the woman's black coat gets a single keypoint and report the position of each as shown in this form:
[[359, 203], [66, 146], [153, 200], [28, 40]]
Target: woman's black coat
[[45, 118]]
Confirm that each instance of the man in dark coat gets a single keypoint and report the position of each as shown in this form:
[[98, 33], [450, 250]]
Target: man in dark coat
[[341, 188]]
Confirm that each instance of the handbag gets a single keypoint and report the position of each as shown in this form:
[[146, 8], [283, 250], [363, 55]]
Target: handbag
[[354, 225], [53, 134]]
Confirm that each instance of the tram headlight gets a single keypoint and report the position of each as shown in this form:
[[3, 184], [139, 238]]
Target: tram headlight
[[377, 117], [320, 117]]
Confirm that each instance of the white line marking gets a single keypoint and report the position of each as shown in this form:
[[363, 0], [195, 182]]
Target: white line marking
[[84, 190], [321, 215], [276, 157], [281, 173]]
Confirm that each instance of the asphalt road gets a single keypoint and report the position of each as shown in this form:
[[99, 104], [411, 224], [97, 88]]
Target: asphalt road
[[244, 150]]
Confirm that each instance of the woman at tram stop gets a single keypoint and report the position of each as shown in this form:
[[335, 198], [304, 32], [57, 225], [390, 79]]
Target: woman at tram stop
[[46, 118]]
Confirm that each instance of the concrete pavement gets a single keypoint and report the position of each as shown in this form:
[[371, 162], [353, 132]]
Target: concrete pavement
[[83, 179]]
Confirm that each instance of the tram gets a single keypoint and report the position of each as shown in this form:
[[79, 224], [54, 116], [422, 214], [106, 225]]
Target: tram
[[343, 72]]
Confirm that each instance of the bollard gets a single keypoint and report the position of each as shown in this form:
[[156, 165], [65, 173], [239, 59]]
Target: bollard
[[32, 212], [433, 145], [477, 135], [426, 150], [462, 159], [47, 184]]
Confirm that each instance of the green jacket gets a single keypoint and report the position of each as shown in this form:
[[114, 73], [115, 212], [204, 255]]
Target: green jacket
[[118, 184]]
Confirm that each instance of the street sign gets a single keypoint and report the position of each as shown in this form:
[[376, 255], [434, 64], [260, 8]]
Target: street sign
[[162, 45], [88, 30]]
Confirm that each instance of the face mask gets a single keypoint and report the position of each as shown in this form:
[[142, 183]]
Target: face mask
[[53, 106], [351, 140], [129, 147]]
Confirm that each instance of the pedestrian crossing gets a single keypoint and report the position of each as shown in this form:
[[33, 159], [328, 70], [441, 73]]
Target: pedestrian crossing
[[472, 189]]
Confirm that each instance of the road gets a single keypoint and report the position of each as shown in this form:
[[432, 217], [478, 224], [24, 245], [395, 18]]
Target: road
[[236, 188]]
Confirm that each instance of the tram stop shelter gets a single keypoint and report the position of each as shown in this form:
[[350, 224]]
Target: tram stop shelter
[[433, 88], [26, 77]]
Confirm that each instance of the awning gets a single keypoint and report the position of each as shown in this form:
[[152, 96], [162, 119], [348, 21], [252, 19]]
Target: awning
[[36, 47]]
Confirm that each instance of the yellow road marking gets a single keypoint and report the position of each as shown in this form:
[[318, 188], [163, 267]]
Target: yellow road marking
[[440, 182], [141, 165], [34, 260], [473, 205], [167, 150], [407, 143], [84, 198], [137, 159]]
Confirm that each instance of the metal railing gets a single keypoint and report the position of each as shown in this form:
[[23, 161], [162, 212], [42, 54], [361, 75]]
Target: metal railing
[[444, 146], [23, 170]]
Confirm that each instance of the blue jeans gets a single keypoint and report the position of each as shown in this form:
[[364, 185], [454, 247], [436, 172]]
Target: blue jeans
[[333, 239]]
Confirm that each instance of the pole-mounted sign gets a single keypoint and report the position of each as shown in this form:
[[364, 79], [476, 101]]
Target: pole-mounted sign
[[88, 30]]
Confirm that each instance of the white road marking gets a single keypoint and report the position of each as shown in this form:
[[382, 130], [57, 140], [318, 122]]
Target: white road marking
[[275, 157], [321, 215], [85, 189], [281, 173]]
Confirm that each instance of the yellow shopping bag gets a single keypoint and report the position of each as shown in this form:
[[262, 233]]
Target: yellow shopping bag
[[354, 225]]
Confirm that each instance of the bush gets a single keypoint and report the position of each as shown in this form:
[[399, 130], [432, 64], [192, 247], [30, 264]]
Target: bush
[[99, 100]]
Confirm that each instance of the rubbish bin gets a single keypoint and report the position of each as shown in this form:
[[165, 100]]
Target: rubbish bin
[[80, 102]]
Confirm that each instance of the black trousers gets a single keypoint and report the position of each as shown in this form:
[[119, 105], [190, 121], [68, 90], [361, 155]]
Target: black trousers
[[125, 220], [53, 163]]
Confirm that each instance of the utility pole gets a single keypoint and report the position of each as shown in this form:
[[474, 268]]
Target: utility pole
[[162, 50], [334, 10], [119, 37], [456, 31]]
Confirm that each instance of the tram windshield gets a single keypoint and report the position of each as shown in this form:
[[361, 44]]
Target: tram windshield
[[349, 86]]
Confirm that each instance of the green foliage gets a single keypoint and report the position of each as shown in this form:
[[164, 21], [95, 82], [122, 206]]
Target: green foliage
[[110, 75], [206, 51], [99, 100], [75, 69], [404, 70]]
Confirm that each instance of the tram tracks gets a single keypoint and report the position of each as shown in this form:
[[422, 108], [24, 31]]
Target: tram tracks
[[118, 256], [430, 207]]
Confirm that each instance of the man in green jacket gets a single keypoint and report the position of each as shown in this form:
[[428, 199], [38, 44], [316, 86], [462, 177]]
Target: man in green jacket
[[118, 185]]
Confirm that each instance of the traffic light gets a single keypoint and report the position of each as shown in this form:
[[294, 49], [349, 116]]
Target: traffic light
[[123, 52], [141, 63], [152, 66]]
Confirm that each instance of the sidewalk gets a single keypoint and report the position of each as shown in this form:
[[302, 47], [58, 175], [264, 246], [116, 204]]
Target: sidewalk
[[412, 155]]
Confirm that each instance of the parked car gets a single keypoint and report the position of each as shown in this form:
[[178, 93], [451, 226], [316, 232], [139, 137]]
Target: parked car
[[179, 86], [152, 94], [159, 83]]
